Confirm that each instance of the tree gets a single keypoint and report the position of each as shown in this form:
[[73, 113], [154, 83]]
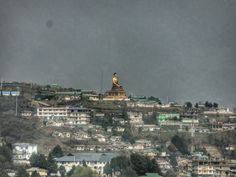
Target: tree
[[134, 166], [62, 171], [233, 154], [125, 115], [180, 144], [152, 98], [206, 104], [69, 174], [120, 163], [196, 105], [84, 172], [173, 161], [140, 163], [21, 172], [210, 105], [38, 161], [128, 172], [5, 157], [151, 119], [3, 174], [188, 104], [57, 151], [215, 105], [128, 136], [170, 173], [117, 164], [154, 167], [51, 164], [35, 174], [84, 164]]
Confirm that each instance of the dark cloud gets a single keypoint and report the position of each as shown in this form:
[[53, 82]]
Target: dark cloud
[[184, 50]]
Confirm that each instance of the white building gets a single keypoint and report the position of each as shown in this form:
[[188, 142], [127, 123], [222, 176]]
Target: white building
[[136, 118], [23, 151], [71, 115], [52, 112], [164, 165], [79, 116], [26, 113], [203, 168], [96, 161], [143, 104], [220, 111]]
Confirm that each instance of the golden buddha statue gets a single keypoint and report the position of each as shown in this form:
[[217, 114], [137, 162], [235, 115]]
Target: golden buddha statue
[[115, 81], [117, 92]]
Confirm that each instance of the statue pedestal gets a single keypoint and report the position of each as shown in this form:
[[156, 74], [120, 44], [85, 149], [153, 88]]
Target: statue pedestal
[[116, 93]]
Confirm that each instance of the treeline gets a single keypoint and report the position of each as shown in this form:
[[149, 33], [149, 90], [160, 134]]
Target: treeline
[[41, 161], [5, 158], [133, 166], [206, 105]]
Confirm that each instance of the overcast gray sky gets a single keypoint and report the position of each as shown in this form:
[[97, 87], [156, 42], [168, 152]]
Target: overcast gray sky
[[183, 49]]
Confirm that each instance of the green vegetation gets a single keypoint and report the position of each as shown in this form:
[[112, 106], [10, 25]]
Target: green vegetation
[[69, 174], [62, 171], [57, 151], [39, 160], [51, 163], [5, 156], [211, 105], [222, 140], [151, 119], [128, 136], [233, 154], [188, 104], [3, 174], [180, 144], [35, 174], [134, 166], [152, 98], [21, 172], [82, 172], [142, 164], [170, 173]]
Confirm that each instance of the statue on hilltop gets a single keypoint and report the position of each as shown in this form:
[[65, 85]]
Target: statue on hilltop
[[117, 92], [115, 82]]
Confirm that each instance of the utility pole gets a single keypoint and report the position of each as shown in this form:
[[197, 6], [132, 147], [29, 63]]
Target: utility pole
[[192, 136], [101, 86], [16, 105], [17, 102], [1, 83]]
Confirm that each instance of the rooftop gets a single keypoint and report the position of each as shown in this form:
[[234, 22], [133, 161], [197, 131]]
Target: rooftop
[[24, 144], [91, 157], [151, 175]]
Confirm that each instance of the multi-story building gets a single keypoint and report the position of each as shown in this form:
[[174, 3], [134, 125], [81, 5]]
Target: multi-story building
[[96, 161], [164, 165], [71, 115], [52, 112], [211, 168], [79, 116], [23, 151], [136, 118]]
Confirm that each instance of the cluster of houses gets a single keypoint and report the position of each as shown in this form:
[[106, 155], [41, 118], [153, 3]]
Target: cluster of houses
[[95, 157], [75, 123]]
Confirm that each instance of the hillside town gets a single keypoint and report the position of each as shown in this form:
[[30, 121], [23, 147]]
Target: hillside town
[[48, 130]]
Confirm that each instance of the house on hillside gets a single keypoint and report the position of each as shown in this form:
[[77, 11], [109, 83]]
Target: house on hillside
[[96, 161], [23, 151]]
